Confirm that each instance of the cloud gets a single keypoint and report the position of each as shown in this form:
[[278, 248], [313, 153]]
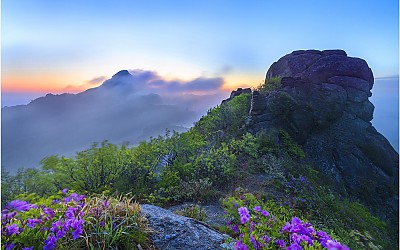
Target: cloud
[[152, 81], [97, 80], [394, 77], [86, 85], [198, 94]]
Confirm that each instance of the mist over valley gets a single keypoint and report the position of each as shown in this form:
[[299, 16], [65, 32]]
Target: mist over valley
[[127, 108]]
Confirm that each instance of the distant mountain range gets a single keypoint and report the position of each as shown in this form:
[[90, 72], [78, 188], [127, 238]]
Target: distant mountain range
[[121, 110]]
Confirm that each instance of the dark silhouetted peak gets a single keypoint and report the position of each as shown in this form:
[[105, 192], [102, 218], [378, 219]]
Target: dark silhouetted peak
[[122, 73], [122, 78]]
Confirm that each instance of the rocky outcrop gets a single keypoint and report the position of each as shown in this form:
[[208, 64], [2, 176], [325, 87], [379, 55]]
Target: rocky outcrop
[[323, 104], [237, 92], [176, 232]]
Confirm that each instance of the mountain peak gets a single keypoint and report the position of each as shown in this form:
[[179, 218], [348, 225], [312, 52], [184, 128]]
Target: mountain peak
[[122, 73], [121, 78]]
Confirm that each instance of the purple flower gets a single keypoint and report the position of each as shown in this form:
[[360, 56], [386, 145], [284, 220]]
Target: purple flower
[[56, 225], [9, 246], [286, 227], [307, 239], [77, 233], [50, 243], [239, 246], [256, 244], [266, 238], [8, 216], [20, 205], [49, 212], [105, 203], [334, 245], [70, 213], [64, 191], [296, 220], [27, 248], [12, 229], [74, 197], [265, 213], [60, 234], [257, 208], [32, 222], [235, 228], [55, 202], [294, 246], [68, 223], [323, 238], [244, 214], [280, 243], [102, 223], [77, 223]]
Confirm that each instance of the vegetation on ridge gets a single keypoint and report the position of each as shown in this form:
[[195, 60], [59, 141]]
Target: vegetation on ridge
[[206, 163]]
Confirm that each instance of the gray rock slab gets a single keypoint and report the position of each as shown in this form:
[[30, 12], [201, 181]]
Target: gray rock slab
[[174, 232]]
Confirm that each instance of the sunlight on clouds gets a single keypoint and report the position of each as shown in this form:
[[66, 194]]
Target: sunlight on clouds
[[36, 83], [234, 81]]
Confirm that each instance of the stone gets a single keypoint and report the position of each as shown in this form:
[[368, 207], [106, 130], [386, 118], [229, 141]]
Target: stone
[[257, 103], [240, 91], [352, 82], [320, 66], [175, 232], [292, 64], [355, 95], [323, 104], [235, 93]]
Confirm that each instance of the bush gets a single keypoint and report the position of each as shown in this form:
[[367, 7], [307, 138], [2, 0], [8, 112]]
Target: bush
[[226, 120], [193, 211], [270, 85]]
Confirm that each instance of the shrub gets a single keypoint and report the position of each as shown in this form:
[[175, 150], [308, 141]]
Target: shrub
[[226, 120], [193, 211], [269, 85]]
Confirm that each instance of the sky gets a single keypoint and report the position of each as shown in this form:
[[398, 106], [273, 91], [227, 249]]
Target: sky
[[69, 46]]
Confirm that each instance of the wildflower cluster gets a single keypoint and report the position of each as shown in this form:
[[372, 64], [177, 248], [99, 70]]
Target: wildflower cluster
[[40, 226], [266, 225], [302, 233], [66, 219]]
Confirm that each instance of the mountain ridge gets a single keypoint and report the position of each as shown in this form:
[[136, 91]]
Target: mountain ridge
[[117, 111]]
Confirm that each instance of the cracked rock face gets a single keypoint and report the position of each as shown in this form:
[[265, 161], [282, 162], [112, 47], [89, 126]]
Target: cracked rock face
[[174, 232], [323, 104]]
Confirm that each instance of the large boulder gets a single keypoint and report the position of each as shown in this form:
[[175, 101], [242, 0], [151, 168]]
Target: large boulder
[[175, 232], [323, 104]]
